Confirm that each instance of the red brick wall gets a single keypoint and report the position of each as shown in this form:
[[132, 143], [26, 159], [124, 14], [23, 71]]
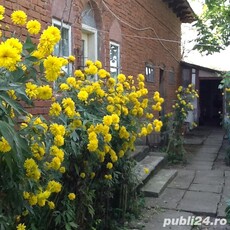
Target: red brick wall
[[136, 46]]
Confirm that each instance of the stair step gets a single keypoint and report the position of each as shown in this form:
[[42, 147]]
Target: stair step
[[152, 163], [140, 152], [155, 186]]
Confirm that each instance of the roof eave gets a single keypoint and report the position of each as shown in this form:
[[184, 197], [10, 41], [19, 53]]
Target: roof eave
[[182, 9]]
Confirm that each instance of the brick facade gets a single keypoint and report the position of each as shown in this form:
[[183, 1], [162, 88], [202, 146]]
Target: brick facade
[[136, 25]]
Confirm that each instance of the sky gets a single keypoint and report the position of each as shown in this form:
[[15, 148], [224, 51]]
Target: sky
[[218, 61]]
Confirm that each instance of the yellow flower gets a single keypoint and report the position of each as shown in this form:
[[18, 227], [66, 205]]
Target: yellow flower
[[8, 56], [141, 77], [51, 204], [55, 109], [68, 102], [48, 39], [44, 92], [54, 186], [52, 65], [71, 58], [98, 64], [33, 26], [59, 140], [146, 170], [32, 170], [33, 200], [82, 95], [82, 175], [2, 10], [107, 120], [19, 17], [102, 73], [109, 165], [72, 196], [21, 227], [121, 78], [4, 145], [14, 43], [62, 169], [108, 177], [57, 129]]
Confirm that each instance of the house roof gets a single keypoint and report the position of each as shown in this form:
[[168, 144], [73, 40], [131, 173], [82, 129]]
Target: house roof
[[186, 64], [182, 9]]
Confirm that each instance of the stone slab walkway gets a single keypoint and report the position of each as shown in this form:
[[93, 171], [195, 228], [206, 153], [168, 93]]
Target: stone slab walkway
[[201, 188]]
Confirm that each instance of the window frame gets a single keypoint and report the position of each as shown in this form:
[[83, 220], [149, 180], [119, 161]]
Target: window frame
[[147, 78], [60, 24], [118, 68]]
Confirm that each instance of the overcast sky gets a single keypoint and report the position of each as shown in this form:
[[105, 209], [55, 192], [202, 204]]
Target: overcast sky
[[219, 61]]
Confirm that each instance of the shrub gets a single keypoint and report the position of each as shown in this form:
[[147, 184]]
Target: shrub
[[65, 171], [175, 122]]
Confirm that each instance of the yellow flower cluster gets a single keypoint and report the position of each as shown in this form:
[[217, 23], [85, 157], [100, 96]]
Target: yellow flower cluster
[[49, 38], [41, 197], [4, 145], [2, 11], [33, 26], [10, 53], [32, 170], [184, 98]]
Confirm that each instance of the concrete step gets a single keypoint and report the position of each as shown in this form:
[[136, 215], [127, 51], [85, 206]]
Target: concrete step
[[156, 185], [152, 163], [140, 152]]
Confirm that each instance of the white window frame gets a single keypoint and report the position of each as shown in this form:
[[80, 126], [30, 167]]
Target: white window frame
[[68, 27], [58, 23], [118, 58], [92, 44]]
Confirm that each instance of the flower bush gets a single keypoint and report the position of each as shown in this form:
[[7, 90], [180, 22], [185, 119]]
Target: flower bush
[[175, 120], [71, 169]]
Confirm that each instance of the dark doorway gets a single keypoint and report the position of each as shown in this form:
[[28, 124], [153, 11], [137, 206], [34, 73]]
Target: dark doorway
[[211, 102]]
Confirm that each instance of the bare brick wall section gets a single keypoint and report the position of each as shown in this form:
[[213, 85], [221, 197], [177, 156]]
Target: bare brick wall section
[[141, 22]]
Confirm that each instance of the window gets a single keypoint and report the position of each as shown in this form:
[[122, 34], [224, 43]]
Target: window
[[186, 78], [114, 59], [149, 73], [89, 44], [171, 76], [63, 48]]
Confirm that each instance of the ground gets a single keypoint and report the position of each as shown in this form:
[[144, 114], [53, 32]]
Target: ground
[[200, 191]]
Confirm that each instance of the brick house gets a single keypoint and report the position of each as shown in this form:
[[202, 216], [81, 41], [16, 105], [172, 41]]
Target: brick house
[[128, 36]]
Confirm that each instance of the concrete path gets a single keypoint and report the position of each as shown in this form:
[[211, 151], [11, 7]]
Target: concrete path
[[199, 192]]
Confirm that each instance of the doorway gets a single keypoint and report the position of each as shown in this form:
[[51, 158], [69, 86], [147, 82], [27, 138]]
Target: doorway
[[210, 102]]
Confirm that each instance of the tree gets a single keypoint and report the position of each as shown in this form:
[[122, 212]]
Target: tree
[[213, 27]]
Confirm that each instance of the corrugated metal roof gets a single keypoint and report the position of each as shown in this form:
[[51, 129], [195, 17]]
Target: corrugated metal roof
[[182, 9]]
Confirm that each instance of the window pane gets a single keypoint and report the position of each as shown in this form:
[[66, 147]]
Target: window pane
[[149, 72], [114, 59], [62, 48]]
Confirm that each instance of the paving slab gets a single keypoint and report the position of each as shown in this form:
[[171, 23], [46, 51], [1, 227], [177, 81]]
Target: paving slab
[[209, 149], [200, 202], [221, 207], [157, 183], [193, 141], [200, 165], [183, 179], [227, 174], [156, 221], [169, 199], [214, 188], [209, 177], [204, 157]]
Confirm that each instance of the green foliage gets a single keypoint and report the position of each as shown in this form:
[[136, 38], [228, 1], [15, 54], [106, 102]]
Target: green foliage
[[174, 122], [213, 27]]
